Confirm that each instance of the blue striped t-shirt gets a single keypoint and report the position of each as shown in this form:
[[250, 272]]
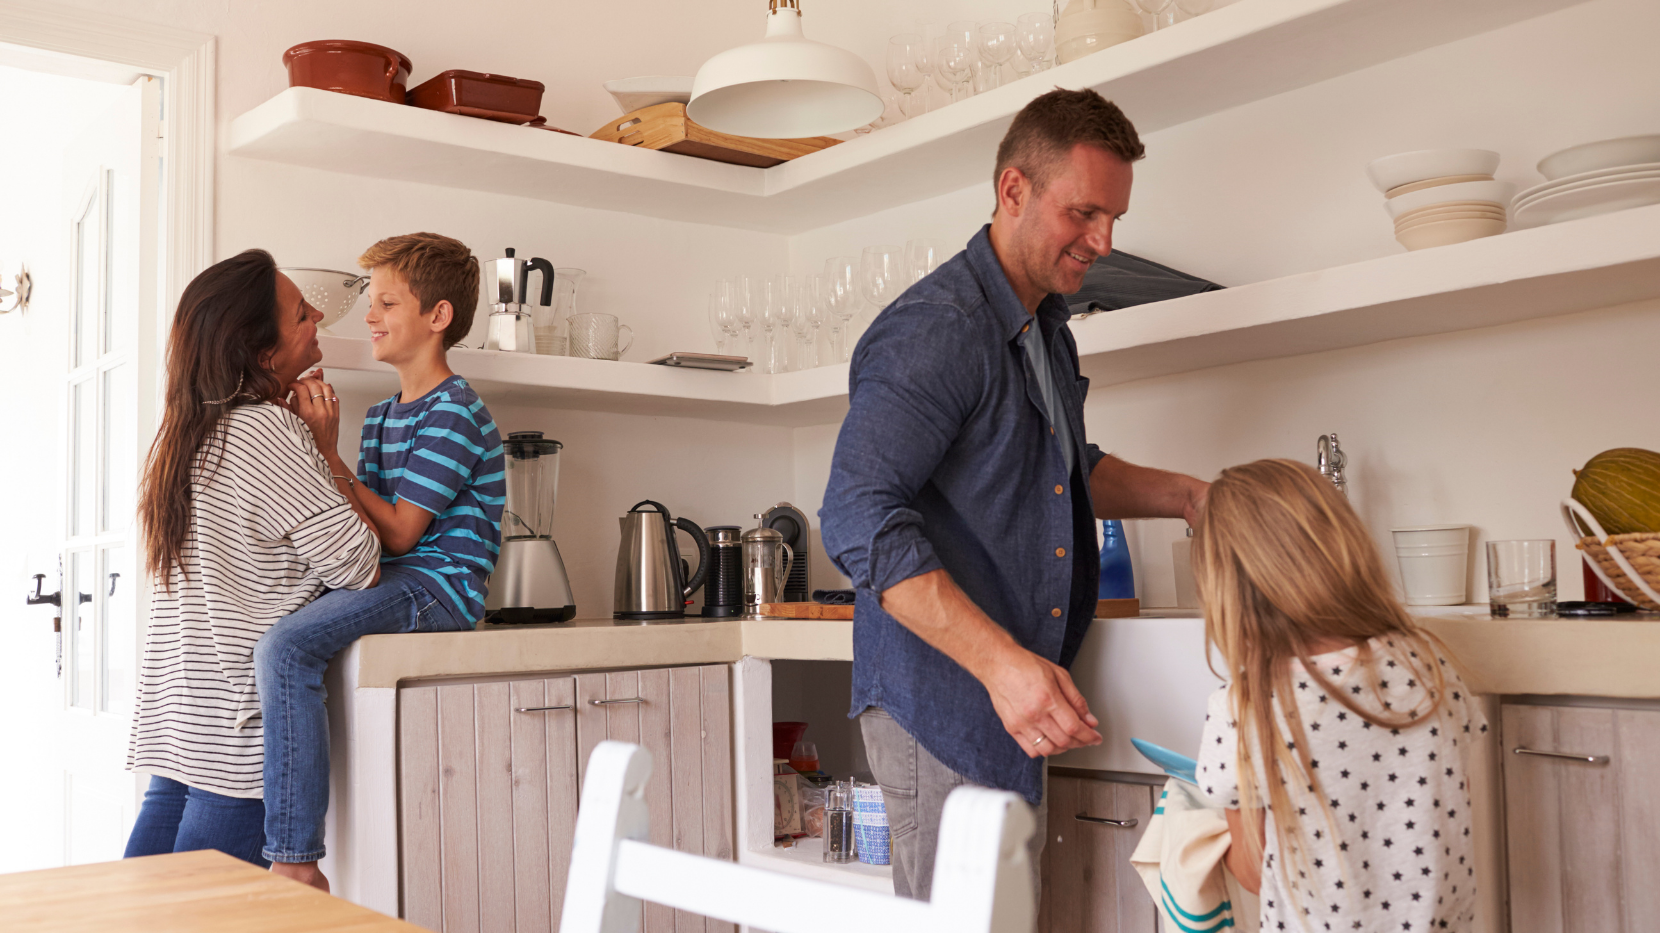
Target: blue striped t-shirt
[[443, 453]]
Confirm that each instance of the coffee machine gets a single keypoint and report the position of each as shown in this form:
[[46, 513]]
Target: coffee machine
[[529, 584], [791, 522]]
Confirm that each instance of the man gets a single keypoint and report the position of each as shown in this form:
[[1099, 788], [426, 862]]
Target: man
[[962, 494]]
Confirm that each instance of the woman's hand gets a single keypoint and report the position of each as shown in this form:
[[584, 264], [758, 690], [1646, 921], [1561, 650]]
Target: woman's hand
[[317, 405]]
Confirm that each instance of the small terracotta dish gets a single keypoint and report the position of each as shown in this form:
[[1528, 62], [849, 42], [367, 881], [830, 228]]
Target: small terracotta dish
[[345, 66], [475, 94]]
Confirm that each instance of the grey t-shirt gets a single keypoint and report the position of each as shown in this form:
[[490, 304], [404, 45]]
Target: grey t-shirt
[[1037, 352]]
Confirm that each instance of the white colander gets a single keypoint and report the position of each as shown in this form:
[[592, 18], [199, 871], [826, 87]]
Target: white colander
[[328, 290]]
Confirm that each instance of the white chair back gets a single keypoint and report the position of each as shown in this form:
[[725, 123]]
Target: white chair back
[[982, 873]]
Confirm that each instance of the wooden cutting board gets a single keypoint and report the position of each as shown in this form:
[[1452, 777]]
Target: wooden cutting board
[[1117, 608], [805, 611], [666, 127]]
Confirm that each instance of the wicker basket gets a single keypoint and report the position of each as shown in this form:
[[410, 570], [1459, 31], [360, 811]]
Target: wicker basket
[[1616, 558]]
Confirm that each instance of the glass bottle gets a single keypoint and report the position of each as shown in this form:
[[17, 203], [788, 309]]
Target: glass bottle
[[1117, 576]]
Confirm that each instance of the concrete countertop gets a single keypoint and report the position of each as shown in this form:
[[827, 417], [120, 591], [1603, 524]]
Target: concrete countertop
[[1502, 656]]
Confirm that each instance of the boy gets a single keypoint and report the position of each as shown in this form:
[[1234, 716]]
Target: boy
[[430, 480]]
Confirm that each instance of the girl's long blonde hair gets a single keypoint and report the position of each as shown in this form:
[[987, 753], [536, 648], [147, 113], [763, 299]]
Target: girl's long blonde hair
[[1282, 562]]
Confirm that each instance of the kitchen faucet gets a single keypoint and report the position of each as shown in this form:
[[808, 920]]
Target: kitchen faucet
[[1330, 459]]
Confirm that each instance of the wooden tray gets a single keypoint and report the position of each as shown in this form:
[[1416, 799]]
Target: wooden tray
[[1117, 608], [665, 127], [805, 611]]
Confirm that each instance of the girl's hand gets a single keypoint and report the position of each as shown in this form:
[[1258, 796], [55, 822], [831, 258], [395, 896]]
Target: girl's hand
[[317, 405]]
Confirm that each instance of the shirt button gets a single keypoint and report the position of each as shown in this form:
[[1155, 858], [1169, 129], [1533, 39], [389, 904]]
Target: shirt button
[[1051, 430], [1055, 612], [1060, 552], [1059, 489]]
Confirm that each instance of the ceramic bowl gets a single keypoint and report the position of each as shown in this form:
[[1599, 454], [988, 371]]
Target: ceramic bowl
[[1451, 206], [1607, 153], [1496, 192], [633, 94], [1448, 232], [1407, 167], [346, 66], [1449, 215], [1433, 183]]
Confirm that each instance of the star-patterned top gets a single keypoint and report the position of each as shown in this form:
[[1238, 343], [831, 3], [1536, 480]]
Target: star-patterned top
[[1400, 858]]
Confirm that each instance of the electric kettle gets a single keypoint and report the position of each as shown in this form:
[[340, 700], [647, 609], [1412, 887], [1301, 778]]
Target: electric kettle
[[652, 580]]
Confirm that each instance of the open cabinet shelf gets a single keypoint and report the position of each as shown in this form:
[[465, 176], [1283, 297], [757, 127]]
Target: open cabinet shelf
[[1229, 57], [1577, 266]]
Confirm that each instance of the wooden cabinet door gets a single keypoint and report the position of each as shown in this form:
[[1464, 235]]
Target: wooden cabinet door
[[1582, 837], [490, 776], [1088, 884]]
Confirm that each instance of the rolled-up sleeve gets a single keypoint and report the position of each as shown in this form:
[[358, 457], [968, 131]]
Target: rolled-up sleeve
[[917, 376]]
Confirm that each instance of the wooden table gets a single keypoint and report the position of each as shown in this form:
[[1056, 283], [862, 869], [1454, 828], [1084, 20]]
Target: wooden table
[[184, 892]]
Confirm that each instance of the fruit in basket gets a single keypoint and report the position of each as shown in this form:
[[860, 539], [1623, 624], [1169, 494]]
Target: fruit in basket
[[1621, 487]]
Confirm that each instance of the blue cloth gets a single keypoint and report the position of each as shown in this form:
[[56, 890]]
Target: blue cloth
[[443, 453], [947, 460], [178, 818], [289, 660]]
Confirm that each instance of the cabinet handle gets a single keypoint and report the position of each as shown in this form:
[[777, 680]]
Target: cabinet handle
[[1593, 759], [1126, 824], [610, 702], [538, 709]]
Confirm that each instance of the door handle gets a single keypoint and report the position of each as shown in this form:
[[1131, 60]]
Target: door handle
[[54, 599], [612, 702], [1569, 756], [1125, 824], [538, 709]]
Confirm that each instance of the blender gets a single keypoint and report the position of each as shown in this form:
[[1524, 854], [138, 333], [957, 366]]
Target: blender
[[529, 584]]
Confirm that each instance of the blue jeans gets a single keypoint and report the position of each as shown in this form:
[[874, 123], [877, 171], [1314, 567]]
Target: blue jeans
[[178, 818], [289, 661]]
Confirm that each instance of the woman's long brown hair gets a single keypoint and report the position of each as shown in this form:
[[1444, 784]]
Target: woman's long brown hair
[[217, 358], [1282, 563]]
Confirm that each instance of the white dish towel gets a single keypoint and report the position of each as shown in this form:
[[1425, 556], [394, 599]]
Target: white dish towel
[[1179, 858]]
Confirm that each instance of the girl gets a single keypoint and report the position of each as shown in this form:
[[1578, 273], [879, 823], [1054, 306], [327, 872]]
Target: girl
[[1349, 721]]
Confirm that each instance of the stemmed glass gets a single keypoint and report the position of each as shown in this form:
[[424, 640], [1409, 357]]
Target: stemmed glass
[[783, 312], [903, 71], [1193, 7], [745, 304], [715, 328], [922, 257], [882, 275], [841, 289], [1035, 37], [811, 317], [924, 58], [996, 42], [953, 65]]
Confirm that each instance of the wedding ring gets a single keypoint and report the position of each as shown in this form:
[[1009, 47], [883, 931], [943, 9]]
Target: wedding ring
[[1037, 740], [315, 397]]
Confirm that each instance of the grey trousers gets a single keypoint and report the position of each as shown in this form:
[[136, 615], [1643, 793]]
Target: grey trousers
[[914, 787]]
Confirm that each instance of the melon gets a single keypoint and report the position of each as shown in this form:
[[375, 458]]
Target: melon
[[1621, 487]]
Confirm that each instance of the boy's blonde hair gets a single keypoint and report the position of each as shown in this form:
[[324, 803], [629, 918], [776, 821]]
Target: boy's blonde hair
[[436, 268], [1282, 562]]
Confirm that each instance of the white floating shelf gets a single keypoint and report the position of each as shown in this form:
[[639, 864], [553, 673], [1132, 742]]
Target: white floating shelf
[[1241, 53], [1546, 271], [805, 859]]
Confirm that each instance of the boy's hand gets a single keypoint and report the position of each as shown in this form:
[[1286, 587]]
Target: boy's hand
[[317, 405]]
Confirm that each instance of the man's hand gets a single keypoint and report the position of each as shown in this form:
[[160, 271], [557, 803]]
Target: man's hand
[[317, 405], [1040, 706], [1035, 699]]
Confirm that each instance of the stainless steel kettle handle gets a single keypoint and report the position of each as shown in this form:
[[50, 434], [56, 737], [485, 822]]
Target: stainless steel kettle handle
[[784, 570], [690, 527]]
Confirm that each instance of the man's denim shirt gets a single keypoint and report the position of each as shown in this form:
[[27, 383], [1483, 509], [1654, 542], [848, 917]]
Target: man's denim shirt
[[947, 460]]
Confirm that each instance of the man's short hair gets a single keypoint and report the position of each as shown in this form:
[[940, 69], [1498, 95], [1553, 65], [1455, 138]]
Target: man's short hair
[[436, 268], [1045, 130]]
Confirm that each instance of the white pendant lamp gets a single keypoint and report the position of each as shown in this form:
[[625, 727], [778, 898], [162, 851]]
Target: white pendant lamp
[[785, 86]]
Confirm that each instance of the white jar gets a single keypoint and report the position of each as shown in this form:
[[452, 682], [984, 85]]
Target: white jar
[[1434, 560]]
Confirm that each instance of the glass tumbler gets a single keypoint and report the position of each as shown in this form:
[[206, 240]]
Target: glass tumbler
[[1521, 579]]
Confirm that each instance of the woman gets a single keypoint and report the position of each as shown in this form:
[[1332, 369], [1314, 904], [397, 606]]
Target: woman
[[243, 525]]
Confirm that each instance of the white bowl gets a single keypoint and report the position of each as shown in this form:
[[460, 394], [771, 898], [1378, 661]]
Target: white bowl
[[1607, 153], [1407, 167], [1447, 232], [649, 90], [1498, 192]]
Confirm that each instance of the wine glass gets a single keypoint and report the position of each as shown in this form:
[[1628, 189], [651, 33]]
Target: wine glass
[[803, 295], [923, 257], [953, 65], [727, 314], [996, 46], [1035, 37], [783, 313], [924, 58], [882, 275], [841, 290], [715, 329], [903, 71], [1193, 7], [814, 292]]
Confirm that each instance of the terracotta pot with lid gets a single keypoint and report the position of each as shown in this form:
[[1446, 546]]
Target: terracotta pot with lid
[[346, 66]]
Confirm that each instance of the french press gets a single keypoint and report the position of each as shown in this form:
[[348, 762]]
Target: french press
[[766, 562]]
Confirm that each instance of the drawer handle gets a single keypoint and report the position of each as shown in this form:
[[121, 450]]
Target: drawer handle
[[538, 709], [611, 702], [1126, 824], [1592, 759]]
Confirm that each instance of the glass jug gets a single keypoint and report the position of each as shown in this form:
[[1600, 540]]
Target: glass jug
[[551, 326], [764, 571]]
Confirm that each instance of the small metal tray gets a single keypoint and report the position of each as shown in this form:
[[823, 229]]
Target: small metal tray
[[728, 364]]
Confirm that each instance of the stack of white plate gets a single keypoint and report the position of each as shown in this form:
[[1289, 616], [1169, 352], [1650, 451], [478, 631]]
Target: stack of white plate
[[1592, 179], [1441, 196]]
